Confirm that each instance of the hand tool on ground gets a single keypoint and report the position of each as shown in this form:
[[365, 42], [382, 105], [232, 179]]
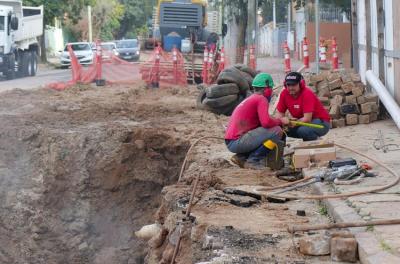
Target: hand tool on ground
[[326, 175]]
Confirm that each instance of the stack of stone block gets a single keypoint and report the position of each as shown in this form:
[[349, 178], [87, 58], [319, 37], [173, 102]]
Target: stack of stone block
[[345, 97]]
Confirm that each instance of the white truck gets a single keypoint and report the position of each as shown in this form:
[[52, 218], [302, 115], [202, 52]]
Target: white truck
[[20, 26]]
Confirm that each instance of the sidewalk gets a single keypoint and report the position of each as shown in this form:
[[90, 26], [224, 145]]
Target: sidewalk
[[378, 244]]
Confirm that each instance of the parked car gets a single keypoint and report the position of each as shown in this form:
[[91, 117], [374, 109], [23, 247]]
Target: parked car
[[83, 51], [129, 49], [108, 49]]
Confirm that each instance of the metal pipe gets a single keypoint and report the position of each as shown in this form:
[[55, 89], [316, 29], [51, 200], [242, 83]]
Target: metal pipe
[[317, 34], [385, 97], [274, 13]]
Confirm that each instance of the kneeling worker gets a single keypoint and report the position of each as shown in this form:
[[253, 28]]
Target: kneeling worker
[[250, 126], [303, 105]]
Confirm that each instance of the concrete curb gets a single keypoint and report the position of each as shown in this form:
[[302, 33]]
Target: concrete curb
[[369, 248]]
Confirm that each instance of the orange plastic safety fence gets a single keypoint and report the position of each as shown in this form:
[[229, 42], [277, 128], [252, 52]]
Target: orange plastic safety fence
[[106, 65], [164, 68]]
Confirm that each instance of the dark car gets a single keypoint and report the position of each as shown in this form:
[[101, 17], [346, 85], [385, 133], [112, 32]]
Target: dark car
[[128, 49]]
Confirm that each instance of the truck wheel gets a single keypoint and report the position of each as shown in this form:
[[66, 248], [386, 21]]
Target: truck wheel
[[221, 101], [30, 64], [23, 64], [34, 64], [10, 74], [215, 91]]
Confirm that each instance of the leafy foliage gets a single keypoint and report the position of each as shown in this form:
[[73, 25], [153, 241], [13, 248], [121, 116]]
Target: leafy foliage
[[60, 8]]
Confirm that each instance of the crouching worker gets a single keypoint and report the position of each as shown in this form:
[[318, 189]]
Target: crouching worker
[[304, 106], [251, 126]]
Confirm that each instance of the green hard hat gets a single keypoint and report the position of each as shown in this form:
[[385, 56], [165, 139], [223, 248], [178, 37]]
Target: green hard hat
[[263, 80]]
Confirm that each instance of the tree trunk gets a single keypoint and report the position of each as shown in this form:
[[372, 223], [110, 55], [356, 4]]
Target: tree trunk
[[43, 54], [241, 41]]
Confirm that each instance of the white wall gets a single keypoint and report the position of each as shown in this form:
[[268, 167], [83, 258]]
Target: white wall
[[362, 38], [389, 45]]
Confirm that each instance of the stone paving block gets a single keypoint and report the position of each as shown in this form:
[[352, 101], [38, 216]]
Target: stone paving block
[[361, 99], [351, 119], [316, 245], [373, 117], [346, 78], [337, 92], [351, 99], [337, 123], [344, 249], [363, 119], [335, 84], [324, 92], [348, 87], [355, 77], [333, 76], [368, 107], [323, 85], [371, 98], [317, 78], [334, 112], [324, 100], [357, 91], [337, 100]]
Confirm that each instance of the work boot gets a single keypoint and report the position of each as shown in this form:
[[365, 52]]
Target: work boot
[[239, 160], [275, 156]]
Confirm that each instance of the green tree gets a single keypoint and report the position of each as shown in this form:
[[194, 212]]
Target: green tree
[[58, 9], [136, 15], [281, 11], [107, 15]]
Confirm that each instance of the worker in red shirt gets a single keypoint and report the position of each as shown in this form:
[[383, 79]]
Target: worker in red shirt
[[250, 126], [303, 105]]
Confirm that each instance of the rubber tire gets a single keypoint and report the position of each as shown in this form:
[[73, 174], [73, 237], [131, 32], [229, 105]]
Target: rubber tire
[[10, 74], [246, 69], [248, 78], [228, 110], [34, 62], [232, 75], [23, 64], [221, 101], [216, 91], [200, 99], [64, 67]]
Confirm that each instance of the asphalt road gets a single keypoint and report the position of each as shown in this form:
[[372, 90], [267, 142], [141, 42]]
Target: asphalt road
[[44, 76]]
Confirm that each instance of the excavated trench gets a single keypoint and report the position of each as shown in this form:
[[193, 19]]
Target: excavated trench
[[76, 193]]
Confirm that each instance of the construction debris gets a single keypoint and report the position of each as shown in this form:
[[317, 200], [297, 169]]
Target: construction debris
[[345, 97], [344, 249], [316, 245]]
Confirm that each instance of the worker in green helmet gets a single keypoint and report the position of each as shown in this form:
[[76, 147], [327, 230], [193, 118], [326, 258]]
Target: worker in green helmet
[[251, 126]]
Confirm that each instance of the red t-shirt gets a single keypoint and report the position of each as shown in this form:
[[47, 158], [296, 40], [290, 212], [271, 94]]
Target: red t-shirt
[[306, 102], [248, 115]]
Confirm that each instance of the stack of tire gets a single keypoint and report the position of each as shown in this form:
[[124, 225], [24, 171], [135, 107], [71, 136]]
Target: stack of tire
[[232, 87]]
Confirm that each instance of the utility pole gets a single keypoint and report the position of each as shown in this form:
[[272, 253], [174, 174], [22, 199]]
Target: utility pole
[[317, 34], [251, 25], [289, 22], [90, 33]]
